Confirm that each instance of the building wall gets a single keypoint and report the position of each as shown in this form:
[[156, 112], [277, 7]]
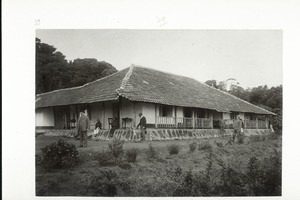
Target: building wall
[[96, 110], [44, 117], [226, 115], [242, 115], [148, 110], [39, 117], [179, 111], [130, 110], [107, 114]]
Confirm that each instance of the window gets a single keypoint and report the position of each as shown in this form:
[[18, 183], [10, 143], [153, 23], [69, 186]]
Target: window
[[233, 115], [165, 111], [200, 113], [188, 112]]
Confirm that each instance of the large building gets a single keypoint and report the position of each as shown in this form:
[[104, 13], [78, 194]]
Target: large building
[[165, 99]]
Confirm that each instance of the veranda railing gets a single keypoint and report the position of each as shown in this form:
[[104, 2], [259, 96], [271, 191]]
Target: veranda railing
[[183, 122]]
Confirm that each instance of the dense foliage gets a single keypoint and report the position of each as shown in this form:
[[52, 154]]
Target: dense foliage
[[173, 149], [116, 149], [131, 155], [60, 154], [53, 71]]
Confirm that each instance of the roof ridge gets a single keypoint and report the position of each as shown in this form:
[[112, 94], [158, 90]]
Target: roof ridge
[[126, 78], [140, 66], [81, 86], [232, 96]]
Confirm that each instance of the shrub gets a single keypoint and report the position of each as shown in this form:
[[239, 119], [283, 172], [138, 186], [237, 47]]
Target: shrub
[[273, 136], [125, 166], [131, 155], [173, 149], [255, 138], [240, 139], [105, 184], [219, 144], [59, 155], [193, 146], [204, 146], [264, 178], [151, 152], [116, 149], [104, 158]]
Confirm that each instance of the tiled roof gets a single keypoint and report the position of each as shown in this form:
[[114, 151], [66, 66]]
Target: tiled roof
[[148, 85], [103, 89]]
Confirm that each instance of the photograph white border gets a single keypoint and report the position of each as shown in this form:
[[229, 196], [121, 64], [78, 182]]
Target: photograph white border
[[20, 19]]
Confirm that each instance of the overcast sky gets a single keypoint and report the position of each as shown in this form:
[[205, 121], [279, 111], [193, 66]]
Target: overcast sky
[[253, 58]]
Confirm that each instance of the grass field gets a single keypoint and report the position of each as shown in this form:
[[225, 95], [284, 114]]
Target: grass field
[[184, 174]]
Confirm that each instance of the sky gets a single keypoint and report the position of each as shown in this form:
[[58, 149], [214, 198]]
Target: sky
[[252, 57]]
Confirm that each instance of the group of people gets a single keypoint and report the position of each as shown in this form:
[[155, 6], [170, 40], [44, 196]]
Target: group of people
[[82, 127]]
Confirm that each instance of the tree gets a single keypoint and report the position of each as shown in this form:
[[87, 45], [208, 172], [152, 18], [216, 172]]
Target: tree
[[54, 72], [212, 83], [50, 65], [89, 69]]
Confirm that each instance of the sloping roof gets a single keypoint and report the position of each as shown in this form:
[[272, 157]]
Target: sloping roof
[[103, 89], [142, 84]]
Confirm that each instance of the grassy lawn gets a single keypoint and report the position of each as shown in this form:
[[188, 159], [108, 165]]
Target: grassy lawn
[[162, 176]]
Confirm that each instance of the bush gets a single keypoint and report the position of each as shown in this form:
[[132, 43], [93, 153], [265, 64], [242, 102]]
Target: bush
[[264, 178], [240, 139], [151, 152], [104, 158], [173, 149], [219, 144], [193, 146], [131, 155], [273, 136], [125, 166], [204, 146], [59, 155], [255, 138], [116, 149], [105, 184]]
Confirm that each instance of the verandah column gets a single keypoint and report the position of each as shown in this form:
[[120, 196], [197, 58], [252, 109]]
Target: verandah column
[[155, 115], [176, 117], [103, 115], [120, 112], [193, 118], [256, 122]]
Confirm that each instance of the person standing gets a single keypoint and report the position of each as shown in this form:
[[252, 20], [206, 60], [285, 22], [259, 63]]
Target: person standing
[[237, 128], [82, 128], [142, 126], [114, 126]]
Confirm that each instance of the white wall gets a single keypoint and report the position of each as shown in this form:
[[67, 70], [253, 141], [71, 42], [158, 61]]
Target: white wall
[[131, 110], [44, 117], [38, 118], [226, 115], [96, 110], [148, 110], [242, 116], [179, 111]]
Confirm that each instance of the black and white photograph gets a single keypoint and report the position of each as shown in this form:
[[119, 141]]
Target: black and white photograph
[[158, 112], [138, 99]]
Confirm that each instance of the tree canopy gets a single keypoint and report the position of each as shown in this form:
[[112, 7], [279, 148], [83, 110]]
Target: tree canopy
[[54, 72]]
